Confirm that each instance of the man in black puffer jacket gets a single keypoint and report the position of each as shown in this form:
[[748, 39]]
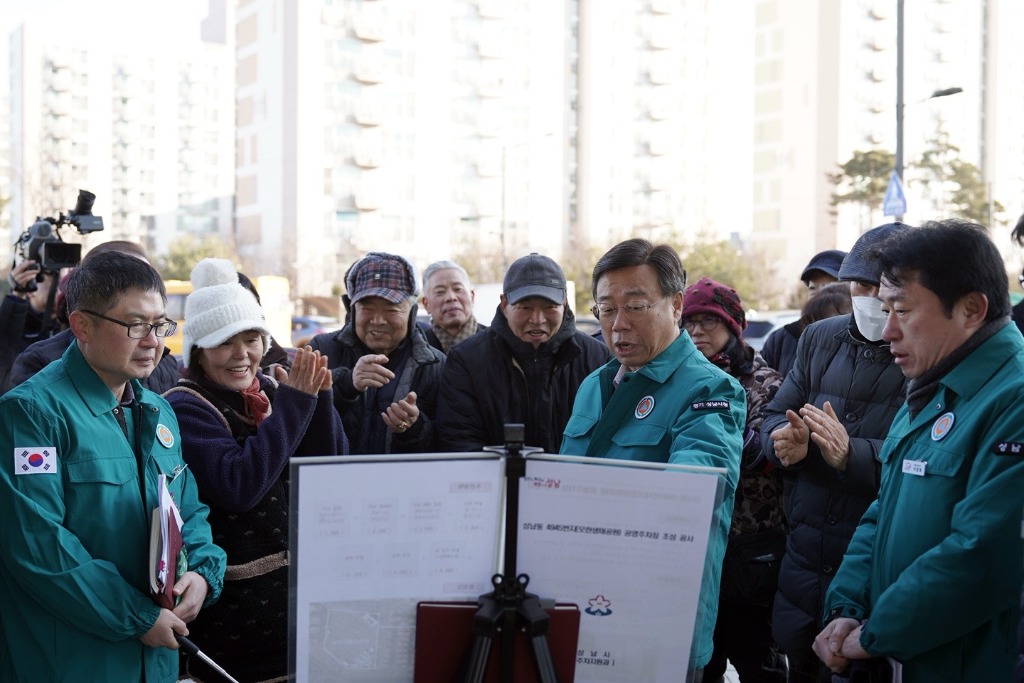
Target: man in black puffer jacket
[[526, 367], [825, 428]]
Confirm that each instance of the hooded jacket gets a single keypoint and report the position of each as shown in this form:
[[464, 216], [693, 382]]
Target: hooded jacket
[[494, 378], [822, 504]]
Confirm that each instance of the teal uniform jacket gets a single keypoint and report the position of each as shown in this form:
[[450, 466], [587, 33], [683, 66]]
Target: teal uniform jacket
[[697, 419], [74, 535], [935, 564]]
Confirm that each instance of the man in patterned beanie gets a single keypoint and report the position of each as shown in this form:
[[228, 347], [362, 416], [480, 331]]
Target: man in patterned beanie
[[384, 372]]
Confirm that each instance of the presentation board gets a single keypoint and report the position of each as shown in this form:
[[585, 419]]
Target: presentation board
[[373, 536]]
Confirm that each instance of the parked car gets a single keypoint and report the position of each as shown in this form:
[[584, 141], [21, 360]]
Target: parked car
[[763, 324], [306, 327]]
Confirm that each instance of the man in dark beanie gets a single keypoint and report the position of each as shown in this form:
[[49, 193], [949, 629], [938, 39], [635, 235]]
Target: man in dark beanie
[[384, 372], [825, 428]]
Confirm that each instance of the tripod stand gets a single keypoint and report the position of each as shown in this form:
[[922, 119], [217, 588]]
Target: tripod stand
[[509, 607]]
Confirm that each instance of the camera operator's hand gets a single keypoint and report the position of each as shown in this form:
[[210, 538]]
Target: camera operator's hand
[[21, 274]]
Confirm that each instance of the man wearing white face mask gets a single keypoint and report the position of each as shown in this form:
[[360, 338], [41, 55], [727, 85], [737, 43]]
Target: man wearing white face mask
[[825, 428]]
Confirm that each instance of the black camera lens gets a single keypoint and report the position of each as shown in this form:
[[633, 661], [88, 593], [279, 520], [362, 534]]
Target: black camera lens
[[84, 205]]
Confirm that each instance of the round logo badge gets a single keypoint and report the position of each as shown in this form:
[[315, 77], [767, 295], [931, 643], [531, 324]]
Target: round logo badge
[[165, 436], [942, 426], [644, 407]]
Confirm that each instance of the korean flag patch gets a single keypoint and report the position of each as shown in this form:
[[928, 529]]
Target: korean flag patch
[[35, 460]]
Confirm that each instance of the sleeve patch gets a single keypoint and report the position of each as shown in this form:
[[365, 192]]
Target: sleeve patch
[[35, 460], [710, 405], [1009, 448]]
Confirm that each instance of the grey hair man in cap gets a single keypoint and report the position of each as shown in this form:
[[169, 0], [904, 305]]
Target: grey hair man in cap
[[779, 348], [384, 372], [825, 428], [526, 367]]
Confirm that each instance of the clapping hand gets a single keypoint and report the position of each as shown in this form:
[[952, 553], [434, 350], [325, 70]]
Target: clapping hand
[[309, 373], [401, 415]]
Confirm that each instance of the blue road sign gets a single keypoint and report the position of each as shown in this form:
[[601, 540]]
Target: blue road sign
[[895, 203]]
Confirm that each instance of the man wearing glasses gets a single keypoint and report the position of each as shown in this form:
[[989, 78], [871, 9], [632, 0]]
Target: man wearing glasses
[[87, 443], [660, 399], [524, 368]]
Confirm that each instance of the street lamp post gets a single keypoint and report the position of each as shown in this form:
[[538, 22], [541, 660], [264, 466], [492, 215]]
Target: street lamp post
[[899, 89], [945, 92]]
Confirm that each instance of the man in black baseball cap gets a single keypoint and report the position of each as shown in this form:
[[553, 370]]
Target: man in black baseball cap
[[822, 269], [524, 368]]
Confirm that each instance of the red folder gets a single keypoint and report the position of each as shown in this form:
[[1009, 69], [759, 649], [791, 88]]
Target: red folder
[[444, 637], [168, 559]]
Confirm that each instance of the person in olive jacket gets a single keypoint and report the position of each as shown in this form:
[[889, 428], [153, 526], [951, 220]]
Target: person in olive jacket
[[825, 428], [88, 444], [525, 368]]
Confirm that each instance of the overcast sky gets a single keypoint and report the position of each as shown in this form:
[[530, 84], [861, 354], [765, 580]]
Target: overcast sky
[[123, 21]]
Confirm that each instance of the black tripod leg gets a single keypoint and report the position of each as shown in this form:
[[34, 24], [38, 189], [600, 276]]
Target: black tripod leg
[[542, 657], [475, 665]]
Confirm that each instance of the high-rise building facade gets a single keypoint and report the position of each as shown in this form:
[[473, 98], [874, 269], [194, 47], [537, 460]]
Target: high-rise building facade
[[377, 125], [148, 130]]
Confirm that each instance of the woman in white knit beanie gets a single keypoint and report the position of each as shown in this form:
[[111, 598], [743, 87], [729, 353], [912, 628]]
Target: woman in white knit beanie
[[239, 428]]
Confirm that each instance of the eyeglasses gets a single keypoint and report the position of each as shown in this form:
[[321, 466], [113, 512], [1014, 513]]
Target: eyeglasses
[[164, 328], [707, 323], [634, 310]]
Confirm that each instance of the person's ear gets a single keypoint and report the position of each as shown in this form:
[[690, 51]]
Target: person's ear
[[677, 307], [975, 308], [80, 324]]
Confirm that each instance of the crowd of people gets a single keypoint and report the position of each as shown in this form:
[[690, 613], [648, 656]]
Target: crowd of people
[[871, 459]]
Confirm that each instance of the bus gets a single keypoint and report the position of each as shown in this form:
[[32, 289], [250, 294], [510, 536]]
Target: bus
[[274, 295], [177, 290]]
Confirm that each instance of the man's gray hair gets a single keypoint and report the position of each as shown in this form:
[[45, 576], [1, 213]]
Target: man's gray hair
[[444, 265]]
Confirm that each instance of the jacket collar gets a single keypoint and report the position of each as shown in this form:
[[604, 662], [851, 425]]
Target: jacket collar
[[422, 351], [93, 392], [665, 363], [553, 346], [968, 376]]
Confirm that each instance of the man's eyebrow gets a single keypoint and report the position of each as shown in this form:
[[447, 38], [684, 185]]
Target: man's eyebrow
[[632, 292]]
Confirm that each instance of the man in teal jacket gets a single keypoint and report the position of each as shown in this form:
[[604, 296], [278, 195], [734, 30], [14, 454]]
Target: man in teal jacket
[[88, 443], [660, 399], [932, 576]]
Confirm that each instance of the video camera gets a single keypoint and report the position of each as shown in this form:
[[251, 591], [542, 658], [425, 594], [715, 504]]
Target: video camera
[[41, 241]]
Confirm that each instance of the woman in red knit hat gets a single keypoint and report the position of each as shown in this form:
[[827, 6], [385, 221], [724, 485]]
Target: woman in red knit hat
[[714, 318]]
